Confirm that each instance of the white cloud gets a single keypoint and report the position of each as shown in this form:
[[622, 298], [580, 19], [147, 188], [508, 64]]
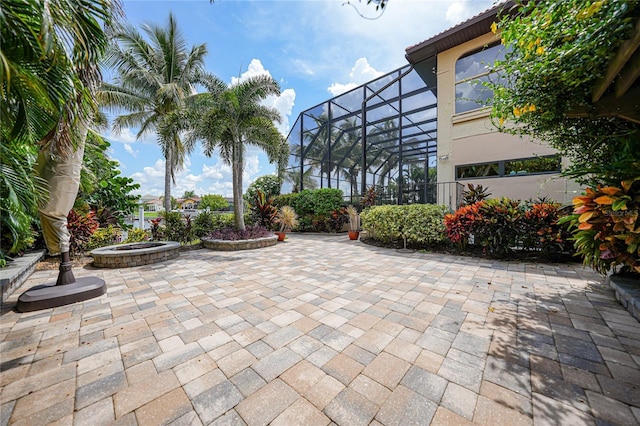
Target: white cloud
[[130, 150], [251, 169], [458, 11], [128, 136], [283, 103], [361, 73], [254, 69], [335, 35], [212, 179]]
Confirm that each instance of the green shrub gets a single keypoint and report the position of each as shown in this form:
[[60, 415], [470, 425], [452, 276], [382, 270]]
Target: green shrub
[[419, 223], [206, 223], [269, 185], [136, 235], [213, 202], [105, 237], [318, 201], [315, 208], [174, 228], [285, 200]]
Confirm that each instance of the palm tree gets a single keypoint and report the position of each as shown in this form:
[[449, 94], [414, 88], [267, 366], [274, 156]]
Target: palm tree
[[234, 119], [156, 78], [293, 176], [48, 70]]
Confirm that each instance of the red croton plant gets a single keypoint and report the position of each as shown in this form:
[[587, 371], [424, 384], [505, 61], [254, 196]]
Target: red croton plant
[[608, 229]]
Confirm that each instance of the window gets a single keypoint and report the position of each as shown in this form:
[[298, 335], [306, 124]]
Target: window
[[472, 70], [478, 170], [517, 167], [532, 165]]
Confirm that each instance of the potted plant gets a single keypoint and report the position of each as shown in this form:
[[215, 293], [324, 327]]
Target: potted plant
[[354, 222], [288, 219]]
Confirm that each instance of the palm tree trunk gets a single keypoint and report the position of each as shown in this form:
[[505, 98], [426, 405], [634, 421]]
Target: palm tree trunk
[[167, 182], [238, 203]]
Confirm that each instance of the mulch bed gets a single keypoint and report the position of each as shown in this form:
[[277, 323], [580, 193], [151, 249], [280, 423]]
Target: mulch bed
[[53, 262], [472, 251]]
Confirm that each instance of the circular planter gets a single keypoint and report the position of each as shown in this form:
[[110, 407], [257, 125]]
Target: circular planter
[[227, 245], [135, 254]]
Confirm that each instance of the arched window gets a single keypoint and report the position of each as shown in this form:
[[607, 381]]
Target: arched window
[[472, 70]]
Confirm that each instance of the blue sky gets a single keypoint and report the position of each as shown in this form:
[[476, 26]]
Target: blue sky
[[316, 49]]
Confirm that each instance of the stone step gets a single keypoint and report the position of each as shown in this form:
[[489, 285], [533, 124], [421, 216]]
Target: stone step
[[16, 272]]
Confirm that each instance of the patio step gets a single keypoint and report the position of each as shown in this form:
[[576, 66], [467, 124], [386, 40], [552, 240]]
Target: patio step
[[17, 272], [627, 291]]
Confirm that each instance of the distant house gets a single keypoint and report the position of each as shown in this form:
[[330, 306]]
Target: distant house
[[151, 203], [189, 203]]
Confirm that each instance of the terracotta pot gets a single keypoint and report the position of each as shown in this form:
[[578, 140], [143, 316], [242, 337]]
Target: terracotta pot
[[281, 235], [353, 235]]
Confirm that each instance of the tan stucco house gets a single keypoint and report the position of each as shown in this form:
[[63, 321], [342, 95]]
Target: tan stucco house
[[470, 147]]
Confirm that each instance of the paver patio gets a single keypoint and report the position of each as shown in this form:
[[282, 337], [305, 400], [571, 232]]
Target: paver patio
[[322, 330]]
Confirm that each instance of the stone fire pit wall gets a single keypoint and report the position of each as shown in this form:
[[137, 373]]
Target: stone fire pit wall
[[226, 245], [128, 255]]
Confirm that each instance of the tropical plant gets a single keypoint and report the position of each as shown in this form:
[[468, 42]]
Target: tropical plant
[[370, 197], [136, 235], [336, 220], [503, 226], [607, 227], [101, 185], [105, 237], [459, 225], [559, 80], [81, 227], [232, 120], [262, 210], [499, 230], [177, 228], [155, 82], [156, 229], [474, 193], [354, 218], [543, 230], [286, 218], [20, 194]]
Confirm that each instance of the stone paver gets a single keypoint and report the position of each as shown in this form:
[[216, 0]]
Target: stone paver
[[340, 333]]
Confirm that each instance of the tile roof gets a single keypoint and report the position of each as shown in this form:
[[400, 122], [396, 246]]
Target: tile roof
[[454, 36]]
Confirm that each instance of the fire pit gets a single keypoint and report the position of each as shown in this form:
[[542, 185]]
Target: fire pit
[[134, 254]]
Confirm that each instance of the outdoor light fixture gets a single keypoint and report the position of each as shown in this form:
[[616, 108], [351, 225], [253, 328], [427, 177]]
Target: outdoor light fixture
[[443, 157]]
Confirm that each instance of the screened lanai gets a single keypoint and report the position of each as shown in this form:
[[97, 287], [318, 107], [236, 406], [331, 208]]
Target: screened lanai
[[399, 148]]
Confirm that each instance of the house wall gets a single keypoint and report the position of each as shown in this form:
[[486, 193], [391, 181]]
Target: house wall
[[470, 137]]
